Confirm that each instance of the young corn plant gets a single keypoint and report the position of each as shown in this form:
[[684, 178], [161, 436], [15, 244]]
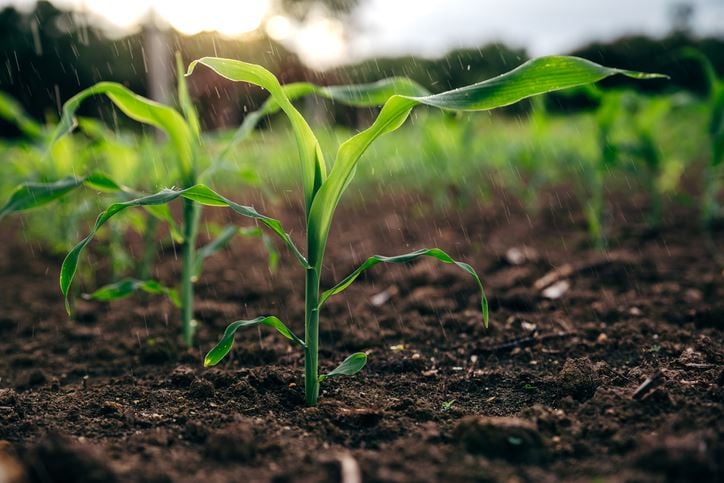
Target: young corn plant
[[713, 177], [323, 188], [193, 168], [594, 170], [660, 171]]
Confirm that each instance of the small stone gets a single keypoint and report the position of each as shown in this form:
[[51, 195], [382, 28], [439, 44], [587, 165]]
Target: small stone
[[635, 311], [557, 290], [578, 378]]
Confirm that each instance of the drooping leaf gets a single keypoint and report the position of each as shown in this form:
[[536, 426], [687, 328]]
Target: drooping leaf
[[12, 112], [33, 194], [350, 366], [127, 286], [139, 109], [223, 347], [314, 170], [199, 193], [407, 258], [537, 76]]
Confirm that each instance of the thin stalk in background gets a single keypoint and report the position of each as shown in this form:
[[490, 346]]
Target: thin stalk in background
[[191, 216]]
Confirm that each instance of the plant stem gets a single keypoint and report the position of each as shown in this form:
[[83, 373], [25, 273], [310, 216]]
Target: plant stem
[[311, 335], [191, 222], [594, 210]]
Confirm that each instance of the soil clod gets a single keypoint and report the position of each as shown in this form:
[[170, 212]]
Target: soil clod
[[513, 439]]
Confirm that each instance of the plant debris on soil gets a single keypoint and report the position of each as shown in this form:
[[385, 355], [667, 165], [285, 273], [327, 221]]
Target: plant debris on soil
[[617, 376]]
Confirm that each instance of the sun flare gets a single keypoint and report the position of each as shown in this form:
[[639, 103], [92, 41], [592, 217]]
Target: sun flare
[[223, 16]]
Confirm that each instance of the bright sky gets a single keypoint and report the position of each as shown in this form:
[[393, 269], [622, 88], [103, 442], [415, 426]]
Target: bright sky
[[420, 27]]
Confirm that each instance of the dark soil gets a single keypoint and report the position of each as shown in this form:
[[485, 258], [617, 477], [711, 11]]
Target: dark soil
[[550, 391]]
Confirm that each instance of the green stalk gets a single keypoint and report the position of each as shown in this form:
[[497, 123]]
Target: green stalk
[[191, 223], [594, 210], [311, 335]]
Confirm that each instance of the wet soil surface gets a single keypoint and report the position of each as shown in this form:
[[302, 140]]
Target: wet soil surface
[[596, 366]]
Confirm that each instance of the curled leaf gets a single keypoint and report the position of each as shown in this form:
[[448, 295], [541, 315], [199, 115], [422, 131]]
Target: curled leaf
[[223, 347], [406, 258]]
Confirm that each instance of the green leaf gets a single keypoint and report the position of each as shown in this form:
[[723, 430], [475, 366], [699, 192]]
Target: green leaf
[[12, 112], [207, 250], [350, 366], [223, 347], [32, 194], [101, 182], [358, 95], [314, 170], [538, 76], [126, 287], [199, 193], [139, 109], [184, 99], [406, 258]]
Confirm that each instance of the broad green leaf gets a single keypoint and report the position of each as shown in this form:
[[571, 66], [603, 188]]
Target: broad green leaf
[[538, 76], [199, 193], [350, 366], [223, 347], [407, 258], [12, 112], [139, 109], [314, 170], [214, 246], [126, 287], [33, 194]]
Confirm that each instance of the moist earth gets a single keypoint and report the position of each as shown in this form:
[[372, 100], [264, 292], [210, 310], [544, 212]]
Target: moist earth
[[601, 366]]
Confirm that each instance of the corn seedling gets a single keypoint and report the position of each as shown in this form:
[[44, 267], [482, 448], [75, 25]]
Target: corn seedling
[[323, 189], [660, 172], [191, 166], [711, 211]]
